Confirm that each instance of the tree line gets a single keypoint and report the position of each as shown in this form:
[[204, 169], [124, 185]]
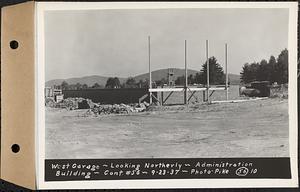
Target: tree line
[[274, 70], [112, 82]]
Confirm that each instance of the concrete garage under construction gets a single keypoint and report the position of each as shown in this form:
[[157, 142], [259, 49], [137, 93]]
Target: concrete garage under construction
[[110, 96]]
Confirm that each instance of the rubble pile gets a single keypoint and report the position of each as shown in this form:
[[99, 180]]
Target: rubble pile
[[279, 91], [49, 102], [117, 109], [96, 108]]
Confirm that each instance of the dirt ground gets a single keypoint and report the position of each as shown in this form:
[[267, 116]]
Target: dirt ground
[[248, 129]]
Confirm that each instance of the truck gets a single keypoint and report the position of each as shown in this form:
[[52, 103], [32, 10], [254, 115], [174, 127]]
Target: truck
[[256, 89]]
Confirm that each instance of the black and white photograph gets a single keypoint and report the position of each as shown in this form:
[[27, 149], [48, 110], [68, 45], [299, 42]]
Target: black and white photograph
[[168, 83], [97, 83]]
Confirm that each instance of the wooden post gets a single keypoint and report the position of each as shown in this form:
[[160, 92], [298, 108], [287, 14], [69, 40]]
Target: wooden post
[[226, 64], [150, 75], [185, 67], [207, 70]]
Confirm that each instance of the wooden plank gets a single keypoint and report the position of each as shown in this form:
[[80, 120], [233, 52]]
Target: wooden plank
[[166, 89], [167, 97], [192, 95], [190, 88]]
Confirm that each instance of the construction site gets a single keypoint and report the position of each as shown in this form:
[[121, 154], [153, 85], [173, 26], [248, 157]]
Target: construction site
[[169, 121]]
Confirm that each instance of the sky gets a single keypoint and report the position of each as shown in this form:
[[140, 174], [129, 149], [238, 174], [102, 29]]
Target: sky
[[115, 42]]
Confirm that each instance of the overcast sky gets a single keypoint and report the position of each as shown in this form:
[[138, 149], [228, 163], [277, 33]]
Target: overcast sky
[[114, 42]]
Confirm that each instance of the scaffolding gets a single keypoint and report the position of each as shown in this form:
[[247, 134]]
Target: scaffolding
[[186, 89]]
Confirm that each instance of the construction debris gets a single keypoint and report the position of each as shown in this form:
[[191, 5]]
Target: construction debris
[[50, 102], [117, 109], [97, 108], [279, 91], [75, 103]]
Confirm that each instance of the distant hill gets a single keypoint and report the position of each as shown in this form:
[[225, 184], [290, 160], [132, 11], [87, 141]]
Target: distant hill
[[156, 75], [163, 73], [89, 80]]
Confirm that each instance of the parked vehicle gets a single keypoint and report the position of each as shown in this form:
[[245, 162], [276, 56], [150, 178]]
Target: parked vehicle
[[256, 89]]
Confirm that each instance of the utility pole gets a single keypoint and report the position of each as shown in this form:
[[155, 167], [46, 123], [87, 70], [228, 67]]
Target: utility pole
[[226, 69], [207, 70], [150, 75], [186, 78]]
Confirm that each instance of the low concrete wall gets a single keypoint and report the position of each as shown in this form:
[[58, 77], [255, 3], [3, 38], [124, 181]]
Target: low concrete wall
[[109, 96]]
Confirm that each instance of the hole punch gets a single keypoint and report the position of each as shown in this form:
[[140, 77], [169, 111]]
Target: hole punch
[[14, 44], [15, 148]]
